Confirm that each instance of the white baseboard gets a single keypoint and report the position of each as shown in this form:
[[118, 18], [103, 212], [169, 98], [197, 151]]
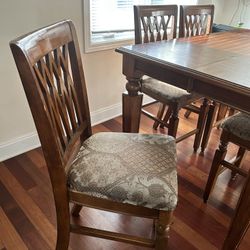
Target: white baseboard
[[107, 113], [18, 145], [104, 114], [30, 141]]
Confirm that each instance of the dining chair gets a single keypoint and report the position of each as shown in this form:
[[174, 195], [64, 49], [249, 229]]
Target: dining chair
[[240, 222], [157, 23], [126, 173], [195, 20], [235, 129], [217, 113]]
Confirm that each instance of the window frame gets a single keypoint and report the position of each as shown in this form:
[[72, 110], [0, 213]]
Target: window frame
[[89, 46]]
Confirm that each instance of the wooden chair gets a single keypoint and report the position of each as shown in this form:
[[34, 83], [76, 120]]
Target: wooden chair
[[241, 220], [235, 129], [217, 113], [156, 23], [121, 172], [195, 20]]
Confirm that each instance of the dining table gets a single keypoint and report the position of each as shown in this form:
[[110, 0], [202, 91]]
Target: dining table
[[216, 66]]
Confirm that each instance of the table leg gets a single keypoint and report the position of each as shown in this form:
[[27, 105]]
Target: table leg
[[131, 106], [209, 125], [240, 221]]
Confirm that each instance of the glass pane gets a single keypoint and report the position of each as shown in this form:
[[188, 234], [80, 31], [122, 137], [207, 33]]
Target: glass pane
[[113, 20]]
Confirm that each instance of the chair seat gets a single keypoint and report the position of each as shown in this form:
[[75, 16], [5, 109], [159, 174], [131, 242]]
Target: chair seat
[[167, 93], [138, 169], [238, 125]]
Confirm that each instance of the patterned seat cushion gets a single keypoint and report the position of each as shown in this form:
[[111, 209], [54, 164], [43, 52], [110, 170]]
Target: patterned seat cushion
[[138, 169], [238, 125], [167, 93]]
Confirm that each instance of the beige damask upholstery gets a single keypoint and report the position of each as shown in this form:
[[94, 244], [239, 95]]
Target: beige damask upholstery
[[238, 125], [167, 93], [138, 169]]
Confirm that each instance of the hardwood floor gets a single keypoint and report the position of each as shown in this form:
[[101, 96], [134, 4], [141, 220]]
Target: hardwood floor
[[27, 215]]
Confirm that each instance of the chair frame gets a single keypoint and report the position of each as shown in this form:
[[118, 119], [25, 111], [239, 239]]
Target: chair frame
[[240, 222], [170, 119], [217, 113], [219, 164], [191, 10], [59, 149], [153, 11]]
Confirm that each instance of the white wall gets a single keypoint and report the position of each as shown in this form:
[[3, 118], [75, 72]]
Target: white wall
[[231, 12], [218, 7], [235, 11], [105, 82]]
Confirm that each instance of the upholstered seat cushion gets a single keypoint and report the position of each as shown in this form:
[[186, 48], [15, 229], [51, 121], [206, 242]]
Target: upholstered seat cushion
[[238, 125], [167, 93], [138, 169]]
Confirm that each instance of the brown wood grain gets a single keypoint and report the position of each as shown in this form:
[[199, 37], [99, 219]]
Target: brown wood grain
[[215, 65], [31, 210], [186, 232], [9, 238]]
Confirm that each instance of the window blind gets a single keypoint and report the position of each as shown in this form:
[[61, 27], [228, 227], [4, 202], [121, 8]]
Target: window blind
[[117, 15], [112, 21]]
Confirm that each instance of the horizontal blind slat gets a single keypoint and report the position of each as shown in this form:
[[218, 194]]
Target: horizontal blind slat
[[117, 15]]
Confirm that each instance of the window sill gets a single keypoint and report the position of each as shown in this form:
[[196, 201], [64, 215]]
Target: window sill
[[105, 45]]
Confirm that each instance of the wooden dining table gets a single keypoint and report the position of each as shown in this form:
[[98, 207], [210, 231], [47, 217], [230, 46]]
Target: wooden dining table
[[216, 66]]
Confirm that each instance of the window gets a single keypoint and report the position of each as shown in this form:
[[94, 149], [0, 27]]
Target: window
[[109, 24]]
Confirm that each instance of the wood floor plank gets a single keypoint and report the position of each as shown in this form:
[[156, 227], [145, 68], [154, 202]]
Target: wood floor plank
[[36, 156], [31, 210], [191, 235], [8, 235], [1, 245], [201, 222], [216, 214], [19, 220], [22, 176]]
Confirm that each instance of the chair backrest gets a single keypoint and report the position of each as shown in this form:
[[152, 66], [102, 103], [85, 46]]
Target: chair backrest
[[50, 67], [195, 20], [155, 22]]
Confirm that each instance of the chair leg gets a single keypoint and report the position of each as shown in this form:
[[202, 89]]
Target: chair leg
[[221, 114], [209, 125], [173, 123], [167, 116], [231, 111], [201, 124], [240, 156], [240, 221], [63, 223], [159, 115], [187, 114], [214, 171], [76, 210], [162, 230]]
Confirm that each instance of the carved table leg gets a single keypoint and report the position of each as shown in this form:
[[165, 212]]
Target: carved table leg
[[131, 106]]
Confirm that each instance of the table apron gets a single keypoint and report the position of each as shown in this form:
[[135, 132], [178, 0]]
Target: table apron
[[209, 87]]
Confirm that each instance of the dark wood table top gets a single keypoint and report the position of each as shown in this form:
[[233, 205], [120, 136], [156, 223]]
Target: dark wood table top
[[220, 59]]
